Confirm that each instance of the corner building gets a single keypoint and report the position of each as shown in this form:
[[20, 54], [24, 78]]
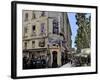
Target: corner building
[[47, 35]]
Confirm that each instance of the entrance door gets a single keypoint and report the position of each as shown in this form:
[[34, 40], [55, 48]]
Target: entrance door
[[54, 64]]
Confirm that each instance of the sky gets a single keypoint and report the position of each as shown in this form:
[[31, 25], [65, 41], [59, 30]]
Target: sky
[[74, 27]]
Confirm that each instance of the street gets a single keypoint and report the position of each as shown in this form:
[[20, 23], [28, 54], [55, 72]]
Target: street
[[66, 65]]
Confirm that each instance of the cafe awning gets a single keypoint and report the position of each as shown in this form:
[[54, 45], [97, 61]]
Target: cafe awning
[[37, 49]]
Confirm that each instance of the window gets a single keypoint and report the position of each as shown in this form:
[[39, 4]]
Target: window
[[26, 16], [55, 27], [25, 30], [42, 43], [42, 30], [43, 13], [54, 44], [33, 44], [42, 27], [33, 15], [25, 45], [33, 28]]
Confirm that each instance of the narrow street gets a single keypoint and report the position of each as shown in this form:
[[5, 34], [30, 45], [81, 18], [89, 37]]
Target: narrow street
[[66, 65]]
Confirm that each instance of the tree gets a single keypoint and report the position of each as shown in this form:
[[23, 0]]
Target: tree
[[83, 38]]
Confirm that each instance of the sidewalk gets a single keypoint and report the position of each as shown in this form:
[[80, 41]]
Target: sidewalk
[[66, 65]]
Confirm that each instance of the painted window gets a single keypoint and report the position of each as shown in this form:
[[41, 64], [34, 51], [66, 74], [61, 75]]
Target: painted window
[[43, 28], [55, 27]]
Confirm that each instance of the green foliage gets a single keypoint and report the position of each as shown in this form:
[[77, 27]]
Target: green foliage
[[84, 30]]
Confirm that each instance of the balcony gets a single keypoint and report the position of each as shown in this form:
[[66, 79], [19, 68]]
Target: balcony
[[42, 34]]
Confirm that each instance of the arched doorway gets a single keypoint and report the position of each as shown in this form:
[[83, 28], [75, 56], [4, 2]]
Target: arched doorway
[[54, 63]]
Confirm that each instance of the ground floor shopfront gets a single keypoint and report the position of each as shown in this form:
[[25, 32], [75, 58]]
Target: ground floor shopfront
[[52, 57]]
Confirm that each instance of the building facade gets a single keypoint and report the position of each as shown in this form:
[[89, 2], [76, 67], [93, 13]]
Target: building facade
[[46, 35]]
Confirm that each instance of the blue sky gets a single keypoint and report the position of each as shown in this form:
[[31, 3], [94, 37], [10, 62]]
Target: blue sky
[[74, 27]]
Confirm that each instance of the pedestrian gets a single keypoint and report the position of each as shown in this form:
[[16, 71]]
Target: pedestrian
[[71, 60]]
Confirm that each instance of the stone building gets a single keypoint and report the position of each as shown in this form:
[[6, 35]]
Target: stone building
[[46, 35]]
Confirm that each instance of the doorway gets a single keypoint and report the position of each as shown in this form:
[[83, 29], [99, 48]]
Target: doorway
[[54, 63]]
